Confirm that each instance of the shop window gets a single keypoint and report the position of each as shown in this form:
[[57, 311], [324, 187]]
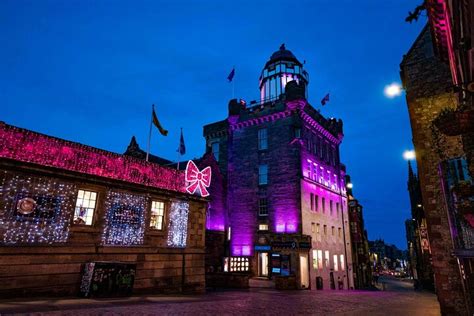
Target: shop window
[[262, 139], [85, 207], [239, 264], [326, 258], [157, 215], [263, 227], [342, 262], [336, 268], [317, 259]]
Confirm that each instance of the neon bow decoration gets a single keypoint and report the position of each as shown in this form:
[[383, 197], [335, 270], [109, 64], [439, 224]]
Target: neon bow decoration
[[196, 178]]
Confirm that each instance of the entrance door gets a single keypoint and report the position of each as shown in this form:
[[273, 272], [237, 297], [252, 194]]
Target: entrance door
[[263, 264], [304, 272]]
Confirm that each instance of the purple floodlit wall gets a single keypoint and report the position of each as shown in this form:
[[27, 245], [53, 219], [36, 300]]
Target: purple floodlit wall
[[282, 191], [27, 146], [216, 217]]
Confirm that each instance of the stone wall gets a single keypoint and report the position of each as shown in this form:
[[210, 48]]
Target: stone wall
[[31, 268], [428, 82]]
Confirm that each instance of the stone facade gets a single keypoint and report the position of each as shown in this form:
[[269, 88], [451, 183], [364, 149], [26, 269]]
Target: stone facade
[[428, 86], [43, 252], [280, 157]]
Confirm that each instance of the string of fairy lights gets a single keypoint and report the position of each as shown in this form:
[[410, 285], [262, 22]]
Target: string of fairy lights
[[38, 210], [30, 213], [178, 224], [124, 219]]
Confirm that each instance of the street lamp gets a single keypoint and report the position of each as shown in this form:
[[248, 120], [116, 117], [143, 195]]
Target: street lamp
[[349, 185], [393, 90], [409, 155]]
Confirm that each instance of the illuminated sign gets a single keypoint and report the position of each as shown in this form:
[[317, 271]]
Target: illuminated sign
[[197, 179]]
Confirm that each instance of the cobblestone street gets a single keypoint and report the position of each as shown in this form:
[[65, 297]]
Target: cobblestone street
[[398, 299]]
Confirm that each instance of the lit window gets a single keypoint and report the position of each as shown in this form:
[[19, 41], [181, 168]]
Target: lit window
[[342, 262], [263, 174], [335, 263], [317, 259], [215, 150], [85, 207], [262, 139], [326, 258], [157, 215], [239, 264], [262, 207], [229, 232], [263, 227]]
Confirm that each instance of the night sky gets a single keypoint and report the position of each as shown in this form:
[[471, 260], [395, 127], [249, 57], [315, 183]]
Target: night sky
[[88, 71]]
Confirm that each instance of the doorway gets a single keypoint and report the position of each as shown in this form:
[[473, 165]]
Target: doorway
[[263, 264], [304, 272]]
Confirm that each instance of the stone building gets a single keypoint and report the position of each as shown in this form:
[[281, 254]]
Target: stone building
[[286, 197], [63, 205], [429, 89], [359, 241], [419, 256]]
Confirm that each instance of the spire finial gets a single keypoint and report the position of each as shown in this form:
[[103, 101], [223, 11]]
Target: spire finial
[[282, 47]]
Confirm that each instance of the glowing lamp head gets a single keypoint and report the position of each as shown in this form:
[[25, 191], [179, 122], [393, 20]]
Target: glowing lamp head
[[349, 185], [409, 155], [393, 90]]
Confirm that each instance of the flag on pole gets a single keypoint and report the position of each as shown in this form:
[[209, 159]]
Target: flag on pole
[[182, 147], [325, 99], [157, 123], [231, 75]]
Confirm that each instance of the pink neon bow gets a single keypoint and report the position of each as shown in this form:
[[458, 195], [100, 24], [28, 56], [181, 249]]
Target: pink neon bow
[[196, 178]]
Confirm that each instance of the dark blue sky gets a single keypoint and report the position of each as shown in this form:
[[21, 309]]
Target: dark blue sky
[[88, 71]]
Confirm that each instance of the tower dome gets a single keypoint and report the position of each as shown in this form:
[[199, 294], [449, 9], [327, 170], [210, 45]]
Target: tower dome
[[281, 68]]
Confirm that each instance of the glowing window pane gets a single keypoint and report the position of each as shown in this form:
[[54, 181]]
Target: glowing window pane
[[85, 207], [157, 213]]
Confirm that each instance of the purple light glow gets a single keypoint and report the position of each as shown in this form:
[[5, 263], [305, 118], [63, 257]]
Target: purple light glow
[[27, 146]]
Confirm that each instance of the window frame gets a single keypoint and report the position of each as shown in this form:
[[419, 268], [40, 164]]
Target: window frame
[[260, 174], [262, 206], [95, 210], [163, 221], [262, 138]]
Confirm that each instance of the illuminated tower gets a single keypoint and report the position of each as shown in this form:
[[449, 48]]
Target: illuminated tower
[[282, 68], [286, 197]]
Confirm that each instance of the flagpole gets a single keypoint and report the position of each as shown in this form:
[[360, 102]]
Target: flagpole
[[179, 148], [233, 84], [149, 134]]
